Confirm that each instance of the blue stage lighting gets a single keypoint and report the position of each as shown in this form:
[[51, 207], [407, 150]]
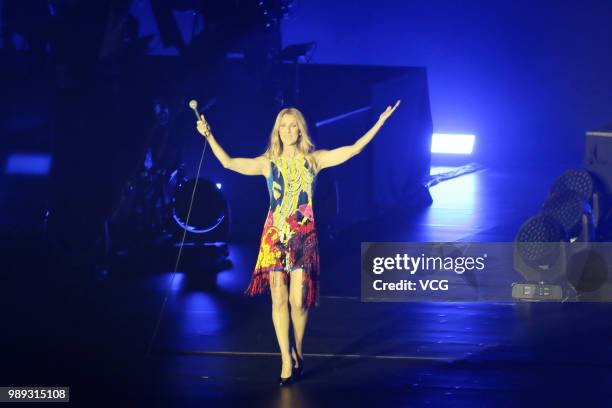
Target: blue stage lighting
[[37, 164], [450, 143]]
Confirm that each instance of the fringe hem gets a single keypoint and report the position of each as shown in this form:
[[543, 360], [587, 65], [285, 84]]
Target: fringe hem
[[260, 283]]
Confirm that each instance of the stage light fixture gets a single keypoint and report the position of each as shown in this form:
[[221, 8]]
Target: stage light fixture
[[449, 143], [32, 164], [536, 238], [584, 183], [207, 216], [573, 212]]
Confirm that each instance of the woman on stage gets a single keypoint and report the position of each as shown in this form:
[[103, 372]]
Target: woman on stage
[[288, 260]]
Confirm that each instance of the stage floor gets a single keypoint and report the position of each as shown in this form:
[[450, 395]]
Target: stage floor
[[217, 348]]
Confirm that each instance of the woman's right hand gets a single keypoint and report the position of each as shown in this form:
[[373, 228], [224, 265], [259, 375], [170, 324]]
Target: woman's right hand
[[203, 127]]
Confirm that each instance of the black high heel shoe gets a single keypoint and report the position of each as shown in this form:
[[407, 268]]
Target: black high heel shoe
[[299, 367], [283, 382]]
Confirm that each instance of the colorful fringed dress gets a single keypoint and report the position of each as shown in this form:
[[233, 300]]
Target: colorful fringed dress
[[289, 238]]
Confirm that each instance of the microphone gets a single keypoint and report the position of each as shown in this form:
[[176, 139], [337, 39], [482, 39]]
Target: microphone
[[193, 104]]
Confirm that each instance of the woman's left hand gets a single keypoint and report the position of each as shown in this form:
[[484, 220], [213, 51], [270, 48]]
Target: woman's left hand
[[385, 115]]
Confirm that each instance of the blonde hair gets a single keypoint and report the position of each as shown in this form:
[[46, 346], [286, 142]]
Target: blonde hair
[[304, 143]]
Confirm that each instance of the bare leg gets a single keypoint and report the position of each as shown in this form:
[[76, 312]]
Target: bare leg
[[280, 318], [299, 314]]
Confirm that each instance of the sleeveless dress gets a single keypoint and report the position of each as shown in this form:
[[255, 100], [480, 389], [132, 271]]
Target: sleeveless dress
[[289, 238]]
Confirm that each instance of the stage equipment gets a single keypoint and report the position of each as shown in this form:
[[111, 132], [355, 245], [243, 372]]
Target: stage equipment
[[536, 247], [598, 161], [573, 212], [558, 269], [210, 218], [585, 184], [598, 156], [539, 256], [402, 157], [557, 250], [450, 143]]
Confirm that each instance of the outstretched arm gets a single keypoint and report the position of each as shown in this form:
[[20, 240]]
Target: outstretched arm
[[246, 166], [334, 157]]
